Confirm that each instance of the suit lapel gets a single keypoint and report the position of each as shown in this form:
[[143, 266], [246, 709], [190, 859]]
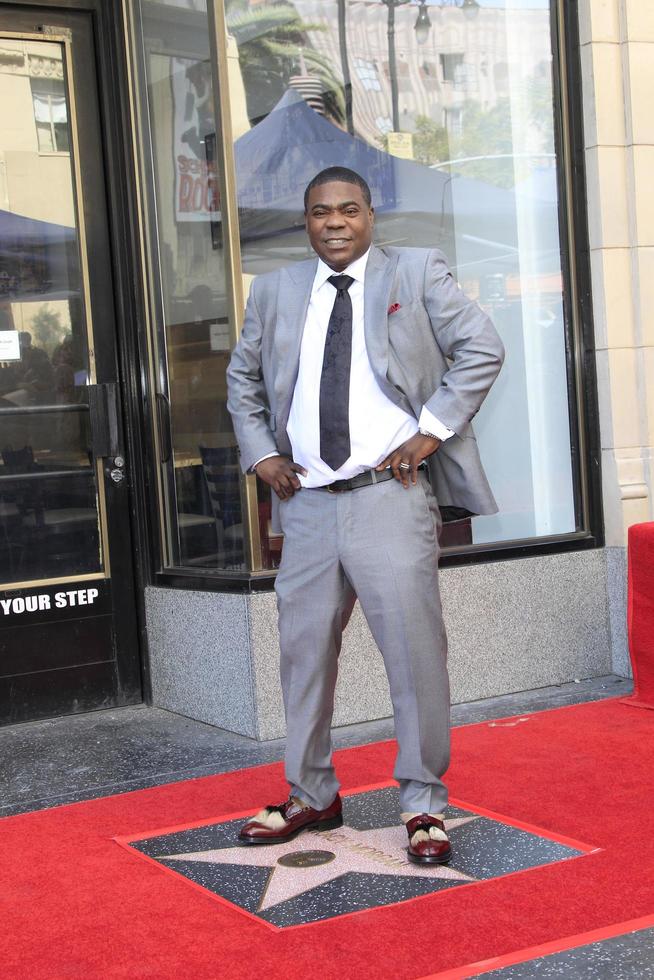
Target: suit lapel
[[293, 302], [380, 275]]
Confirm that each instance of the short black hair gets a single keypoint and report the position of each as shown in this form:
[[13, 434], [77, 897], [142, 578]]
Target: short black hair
[[343, 174]]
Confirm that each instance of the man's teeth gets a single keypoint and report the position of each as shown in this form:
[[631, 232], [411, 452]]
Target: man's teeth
[[337, 241]]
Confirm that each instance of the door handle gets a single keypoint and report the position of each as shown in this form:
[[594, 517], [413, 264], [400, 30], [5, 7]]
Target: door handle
[[103, 408], [165, 435]]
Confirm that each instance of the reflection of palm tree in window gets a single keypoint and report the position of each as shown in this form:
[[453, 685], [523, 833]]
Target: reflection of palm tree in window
[[273, 46]]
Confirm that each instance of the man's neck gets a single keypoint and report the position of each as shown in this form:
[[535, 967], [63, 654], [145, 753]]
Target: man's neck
[[363, 259]]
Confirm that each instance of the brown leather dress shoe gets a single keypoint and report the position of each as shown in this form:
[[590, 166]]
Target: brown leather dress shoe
[[276, 824], [425, 847]]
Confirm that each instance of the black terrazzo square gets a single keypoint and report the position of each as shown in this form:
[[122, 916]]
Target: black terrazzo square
[[363, 865]]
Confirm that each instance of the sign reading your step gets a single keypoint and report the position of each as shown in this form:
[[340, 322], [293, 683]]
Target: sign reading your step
[[43, 600]]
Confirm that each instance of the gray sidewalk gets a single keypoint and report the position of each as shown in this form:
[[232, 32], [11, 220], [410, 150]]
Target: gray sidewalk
[[82, 757]]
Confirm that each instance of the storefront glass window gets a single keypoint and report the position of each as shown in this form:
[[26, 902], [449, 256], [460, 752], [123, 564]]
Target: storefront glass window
[[446, 107], [178, 136]]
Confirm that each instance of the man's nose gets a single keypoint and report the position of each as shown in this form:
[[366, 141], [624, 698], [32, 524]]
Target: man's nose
[[335, 220]]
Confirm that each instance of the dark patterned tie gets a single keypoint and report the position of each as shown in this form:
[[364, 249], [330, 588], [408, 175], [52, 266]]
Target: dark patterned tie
[[335, 378]]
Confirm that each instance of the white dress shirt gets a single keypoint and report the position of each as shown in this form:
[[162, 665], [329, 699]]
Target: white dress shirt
[[377, 425]]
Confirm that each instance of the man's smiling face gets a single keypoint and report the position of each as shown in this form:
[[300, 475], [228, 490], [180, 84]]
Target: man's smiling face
[[339, 223]]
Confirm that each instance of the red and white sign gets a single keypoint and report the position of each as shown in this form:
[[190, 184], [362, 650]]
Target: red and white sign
[[197, 194]]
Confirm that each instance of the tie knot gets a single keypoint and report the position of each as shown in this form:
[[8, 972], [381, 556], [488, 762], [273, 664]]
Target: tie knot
[[341, 283]]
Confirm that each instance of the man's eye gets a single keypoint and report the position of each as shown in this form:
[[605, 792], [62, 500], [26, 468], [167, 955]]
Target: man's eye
[[351, 212]]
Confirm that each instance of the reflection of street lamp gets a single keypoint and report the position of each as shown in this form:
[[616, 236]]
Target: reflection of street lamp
[[347, 82], [392, 71], [422, 24], [422, 27]]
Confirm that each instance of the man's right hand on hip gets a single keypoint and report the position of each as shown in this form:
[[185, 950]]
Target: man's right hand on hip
[[279, 472]]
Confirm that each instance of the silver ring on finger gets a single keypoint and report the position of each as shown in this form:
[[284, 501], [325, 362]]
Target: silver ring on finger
[[405, 466]]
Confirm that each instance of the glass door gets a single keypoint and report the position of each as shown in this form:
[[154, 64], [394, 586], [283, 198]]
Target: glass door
[[67, 629]]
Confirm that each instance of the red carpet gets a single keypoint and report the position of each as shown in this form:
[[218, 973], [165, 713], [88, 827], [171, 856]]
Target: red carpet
[[641, 613], [76, 904]]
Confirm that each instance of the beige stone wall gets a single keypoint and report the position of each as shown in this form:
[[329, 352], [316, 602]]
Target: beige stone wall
[[617, 52]]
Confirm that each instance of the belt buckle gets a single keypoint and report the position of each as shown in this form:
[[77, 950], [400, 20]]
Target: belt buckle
[[330, 489]]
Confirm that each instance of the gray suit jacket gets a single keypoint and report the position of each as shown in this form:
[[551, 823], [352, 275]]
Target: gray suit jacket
[[438, 349]]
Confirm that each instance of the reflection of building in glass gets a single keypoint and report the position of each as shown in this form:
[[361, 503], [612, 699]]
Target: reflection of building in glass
[[36, 192], [463, 60], [50, 113]]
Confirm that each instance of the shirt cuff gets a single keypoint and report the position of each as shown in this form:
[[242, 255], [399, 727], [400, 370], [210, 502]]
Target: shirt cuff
[[431, 424], [267, 456]]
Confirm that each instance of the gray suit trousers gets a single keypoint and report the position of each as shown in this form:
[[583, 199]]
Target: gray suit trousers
[[381, 543]]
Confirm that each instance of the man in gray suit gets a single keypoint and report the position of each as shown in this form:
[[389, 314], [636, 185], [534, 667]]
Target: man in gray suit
[[356, 373]]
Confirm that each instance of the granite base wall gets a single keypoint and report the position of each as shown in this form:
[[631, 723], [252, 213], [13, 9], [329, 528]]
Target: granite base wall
[[616, 580], [512, 626]]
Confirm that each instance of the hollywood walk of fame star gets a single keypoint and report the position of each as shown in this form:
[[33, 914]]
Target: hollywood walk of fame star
[[381, 851]]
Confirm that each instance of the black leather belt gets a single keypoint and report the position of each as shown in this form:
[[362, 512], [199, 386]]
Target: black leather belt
[[365, 479]]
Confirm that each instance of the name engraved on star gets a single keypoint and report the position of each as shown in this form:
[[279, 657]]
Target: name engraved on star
[[306, 859], [346, 842]]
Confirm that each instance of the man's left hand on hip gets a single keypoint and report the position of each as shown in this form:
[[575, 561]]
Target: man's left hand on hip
[[405, 460]]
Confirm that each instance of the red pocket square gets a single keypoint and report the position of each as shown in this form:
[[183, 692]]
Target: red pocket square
[[394, 308]]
